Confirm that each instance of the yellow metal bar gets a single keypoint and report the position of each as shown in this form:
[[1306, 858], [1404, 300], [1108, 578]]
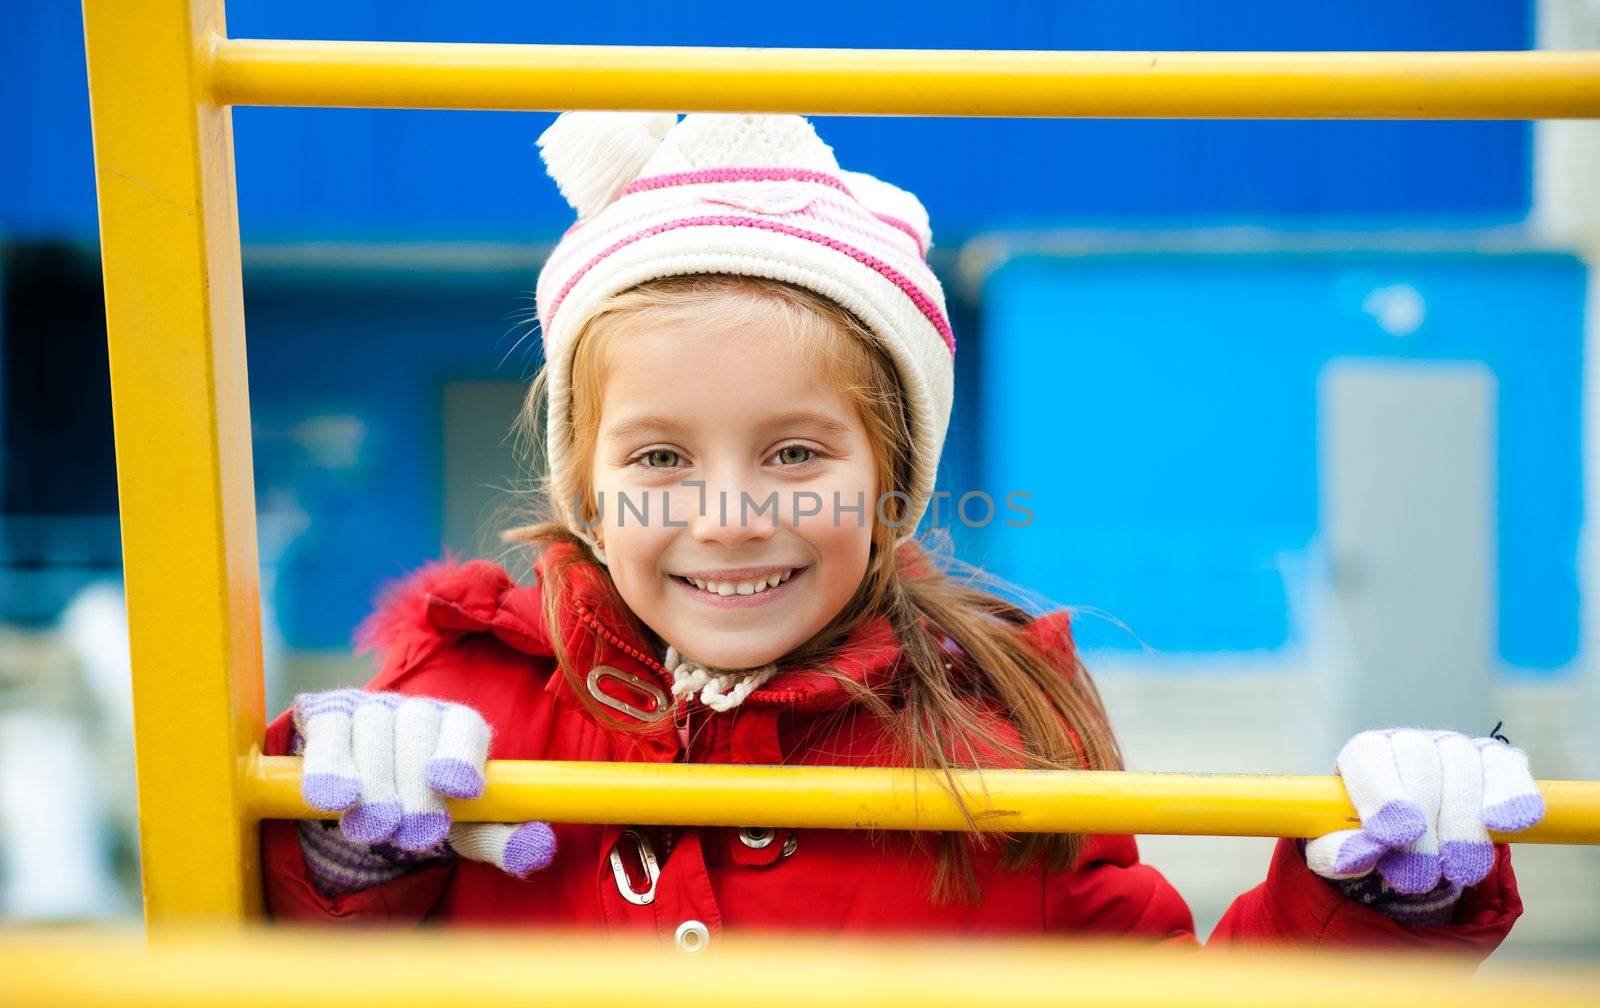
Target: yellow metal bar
[[868, 798], [169, 240], [1263, 85], [461, 969]]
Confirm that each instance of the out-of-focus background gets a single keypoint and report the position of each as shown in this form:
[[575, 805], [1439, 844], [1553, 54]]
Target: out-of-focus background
[[1302, 409]]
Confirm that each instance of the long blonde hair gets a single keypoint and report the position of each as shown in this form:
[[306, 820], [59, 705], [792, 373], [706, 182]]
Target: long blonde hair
[[934, 707]]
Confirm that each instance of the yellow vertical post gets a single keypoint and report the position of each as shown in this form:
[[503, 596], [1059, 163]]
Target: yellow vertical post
[[169, 242]]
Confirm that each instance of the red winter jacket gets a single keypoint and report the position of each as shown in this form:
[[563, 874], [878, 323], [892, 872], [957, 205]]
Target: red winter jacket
[[467, 633]]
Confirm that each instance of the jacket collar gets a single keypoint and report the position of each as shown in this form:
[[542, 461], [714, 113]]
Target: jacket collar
[[479, 596]]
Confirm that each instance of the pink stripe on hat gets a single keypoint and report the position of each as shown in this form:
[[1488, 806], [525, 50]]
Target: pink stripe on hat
[[705, 176], [925, 304]]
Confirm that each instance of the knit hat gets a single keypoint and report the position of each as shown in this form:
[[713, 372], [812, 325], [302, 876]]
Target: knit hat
[[755, 195]]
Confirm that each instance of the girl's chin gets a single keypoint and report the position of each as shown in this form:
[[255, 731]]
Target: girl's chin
[[721, 656]]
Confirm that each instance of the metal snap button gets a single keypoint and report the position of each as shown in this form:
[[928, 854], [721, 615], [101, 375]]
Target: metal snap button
[[789, 844], [756, 837], [641, 687], [692, 936]]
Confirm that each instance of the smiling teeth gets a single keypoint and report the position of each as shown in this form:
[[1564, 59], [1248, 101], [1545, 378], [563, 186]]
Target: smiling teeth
[[742, 587]]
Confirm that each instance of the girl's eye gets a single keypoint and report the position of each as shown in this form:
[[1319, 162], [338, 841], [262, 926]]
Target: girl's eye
[[659, 458], [795, 455]]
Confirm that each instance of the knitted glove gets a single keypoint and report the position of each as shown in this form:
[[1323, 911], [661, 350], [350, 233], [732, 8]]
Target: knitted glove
[[387, 761], [1427, 800]]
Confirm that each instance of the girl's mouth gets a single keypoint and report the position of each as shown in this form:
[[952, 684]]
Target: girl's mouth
[[744, 594]]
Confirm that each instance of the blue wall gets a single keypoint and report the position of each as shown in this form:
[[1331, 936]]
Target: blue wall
[[1162, 411], [347, 374], [1175, 461], [379, 174]]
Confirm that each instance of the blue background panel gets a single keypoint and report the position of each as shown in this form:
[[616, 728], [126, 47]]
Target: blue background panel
[[1162, 411], [390, 174], [346, 383]]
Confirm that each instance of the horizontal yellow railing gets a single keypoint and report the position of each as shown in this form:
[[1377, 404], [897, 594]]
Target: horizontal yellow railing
[[269, 968], [1261, 85], [1036, 801]]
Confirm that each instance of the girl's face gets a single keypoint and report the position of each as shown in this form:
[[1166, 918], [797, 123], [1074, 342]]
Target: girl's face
[[720, 458]]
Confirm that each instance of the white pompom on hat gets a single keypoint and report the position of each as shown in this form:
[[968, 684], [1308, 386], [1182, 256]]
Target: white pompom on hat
[[754, 195], [592, 155]]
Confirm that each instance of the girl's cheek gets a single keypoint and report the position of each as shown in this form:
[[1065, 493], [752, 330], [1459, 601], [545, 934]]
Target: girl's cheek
[[844, 506]]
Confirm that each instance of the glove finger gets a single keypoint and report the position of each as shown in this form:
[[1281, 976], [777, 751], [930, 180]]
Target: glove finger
[[424, 820], [1415, 868], [518, 849], [1511, 799], [328, 778], [1344, 854], [456, 768], [1465, 853], [1372, 779], [378, 814]]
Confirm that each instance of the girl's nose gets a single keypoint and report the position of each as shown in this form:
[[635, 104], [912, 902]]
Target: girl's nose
[[734, 513]]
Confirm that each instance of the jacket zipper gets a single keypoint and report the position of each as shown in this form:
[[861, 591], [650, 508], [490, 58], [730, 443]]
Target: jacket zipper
[[683, 721], [655, 667]]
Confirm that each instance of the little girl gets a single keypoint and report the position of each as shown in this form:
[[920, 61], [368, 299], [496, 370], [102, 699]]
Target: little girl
[[747, 383]]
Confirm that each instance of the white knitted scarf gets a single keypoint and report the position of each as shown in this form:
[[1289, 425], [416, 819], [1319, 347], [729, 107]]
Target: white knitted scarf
[[719, 689]]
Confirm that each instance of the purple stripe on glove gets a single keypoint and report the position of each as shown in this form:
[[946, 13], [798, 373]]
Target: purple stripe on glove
[[1426, 800], [517, 850], [388, 761]]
